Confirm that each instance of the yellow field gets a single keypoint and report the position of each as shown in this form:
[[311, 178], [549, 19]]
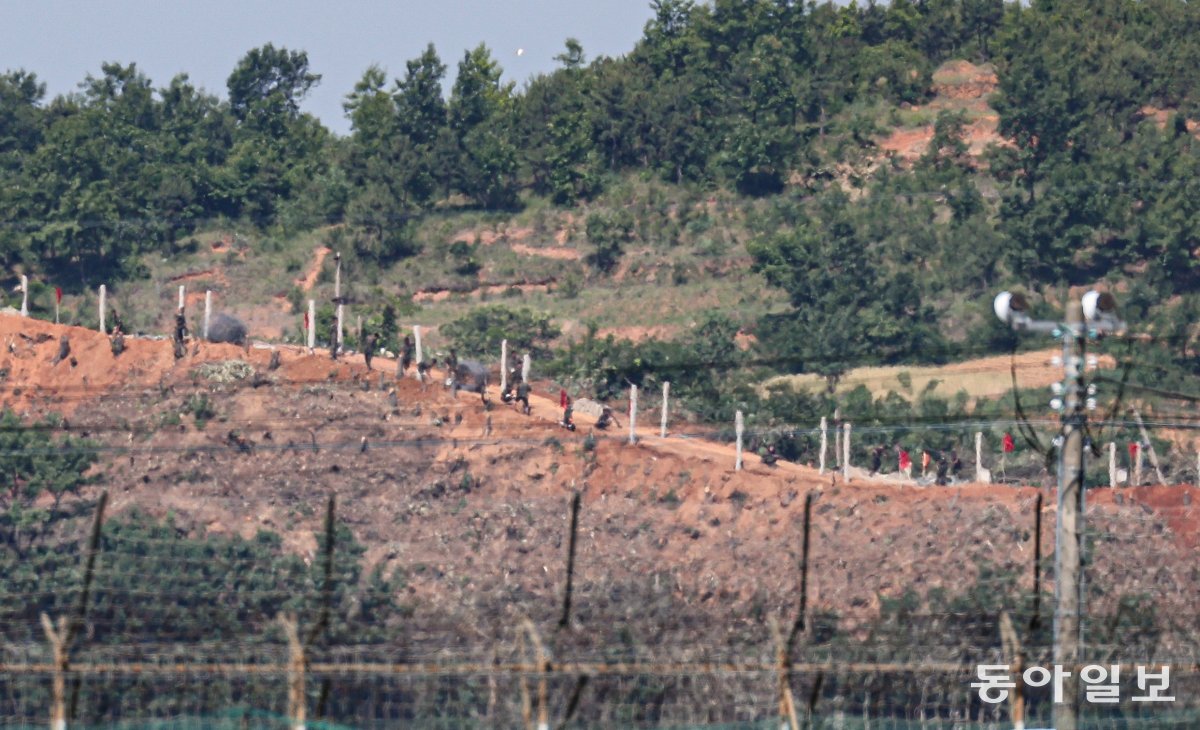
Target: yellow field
[[988, 377]]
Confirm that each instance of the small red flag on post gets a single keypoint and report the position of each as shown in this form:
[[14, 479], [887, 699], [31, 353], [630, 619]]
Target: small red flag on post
[[306, 320], [1009, 445], [1133, 449], [58, 294]]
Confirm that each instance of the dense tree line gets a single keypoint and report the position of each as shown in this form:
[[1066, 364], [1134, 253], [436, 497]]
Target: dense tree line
[[765, 97]]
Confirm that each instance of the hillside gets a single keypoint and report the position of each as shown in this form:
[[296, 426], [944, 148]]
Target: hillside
[[470, 517], [791, 213]]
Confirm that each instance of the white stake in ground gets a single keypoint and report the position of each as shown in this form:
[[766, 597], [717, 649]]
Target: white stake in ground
[[337, 295], [312, 325], [420, 355], [207, 311], [1137, 466], [182, 295], [837, 439], [738, 428], [982, 476], [503, 365], [525, 363], [662, 431], [103, 306], [1112, 465], [824, 443], [24, 295], [846, 453], [632, 414]]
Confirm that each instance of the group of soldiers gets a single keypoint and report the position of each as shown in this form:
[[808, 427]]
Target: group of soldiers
[[946, 462]]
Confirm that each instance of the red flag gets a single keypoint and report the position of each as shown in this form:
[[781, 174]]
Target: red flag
[[905, 461], [58, 294], [1133, 449], [1009, 446], [562, 398], [306, 321]]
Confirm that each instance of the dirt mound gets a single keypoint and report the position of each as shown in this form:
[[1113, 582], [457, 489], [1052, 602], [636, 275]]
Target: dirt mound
[[33, 382]]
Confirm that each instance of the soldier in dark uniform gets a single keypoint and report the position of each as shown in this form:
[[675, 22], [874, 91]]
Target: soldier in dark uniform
[[181, 333], [369, 348], [64, 350], [117, 341], [606, 418], [956, 465], [768, 455], [181, 330], [423, 369], [568, 419], [943, 466], [117, 323], [876, 459], [406, 355], [523, 396]]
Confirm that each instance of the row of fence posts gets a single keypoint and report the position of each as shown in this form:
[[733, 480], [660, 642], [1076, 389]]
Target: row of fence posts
[[103, 304], [841, 436]]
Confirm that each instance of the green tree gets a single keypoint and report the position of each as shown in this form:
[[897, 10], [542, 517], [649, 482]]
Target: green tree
[[40, 473], [848, 308], [267, 86], [480, 112], [609, 233], [480, 332]]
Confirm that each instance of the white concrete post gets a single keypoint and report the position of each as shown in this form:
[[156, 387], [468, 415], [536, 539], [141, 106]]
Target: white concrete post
[[837, 441], [824, 443], [525, 363], [182, 295], [982, 476], [1137, 465], [846, 453], [1112, 464], [312, 325], [103, 306], [738, 427], [417, 341], [503, 365], [662, 431], [24, 295], [632, 414], [337, 294], [207, 311]]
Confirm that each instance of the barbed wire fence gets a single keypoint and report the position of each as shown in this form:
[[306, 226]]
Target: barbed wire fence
[[603, 667], [583, 658]]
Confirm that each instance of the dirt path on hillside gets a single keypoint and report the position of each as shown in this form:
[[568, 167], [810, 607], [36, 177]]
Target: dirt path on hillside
[[309, 280]]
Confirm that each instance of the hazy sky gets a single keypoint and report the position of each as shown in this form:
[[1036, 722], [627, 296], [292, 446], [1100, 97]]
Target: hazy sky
[[62, 42]]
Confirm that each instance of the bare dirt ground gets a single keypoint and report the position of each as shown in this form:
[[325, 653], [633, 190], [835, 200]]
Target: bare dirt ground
[[958, 86], [309, 280], [470, 505]]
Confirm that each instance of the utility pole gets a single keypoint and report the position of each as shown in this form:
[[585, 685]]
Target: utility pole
[[1092, 316], [1068, 551]]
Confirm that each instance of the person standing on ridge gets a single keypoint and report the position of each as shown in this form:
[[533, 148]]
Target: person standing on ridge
[[406, 355]]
